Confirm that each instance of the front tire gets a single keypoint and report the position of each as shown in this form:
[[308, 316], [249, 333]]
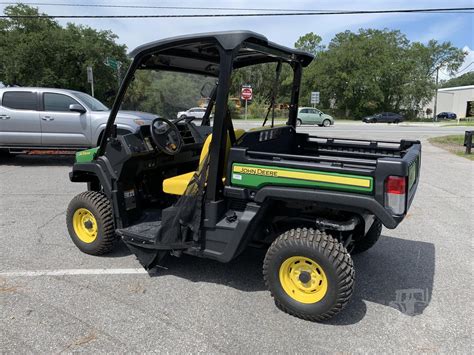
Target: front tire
[[309, 273], [326, 123], [90, 223]]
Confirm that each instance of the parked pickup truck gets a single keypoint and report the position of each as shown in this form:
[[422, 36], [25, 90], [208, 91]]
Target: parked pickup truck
[[42, 118]]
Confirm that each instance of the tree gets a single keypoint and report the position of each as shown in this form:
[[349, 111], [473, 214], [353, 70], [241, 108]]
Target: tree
[[310, 43], [39, 52], [463, 80], [377, 70], [425, 61], [360, 72]]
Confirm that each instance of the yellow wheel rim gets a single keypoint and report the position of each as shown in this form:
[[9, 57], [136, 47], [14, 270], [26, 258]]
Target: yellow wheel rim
[[303, 279], [85, 225]]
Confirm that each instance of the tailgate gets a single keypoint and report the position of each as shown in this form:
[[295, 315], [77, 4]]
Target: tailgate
[[407, 167], [412, 159]]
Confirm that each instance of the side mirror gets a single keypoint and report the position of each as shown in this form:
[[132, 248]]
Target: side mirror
[[77, 108]]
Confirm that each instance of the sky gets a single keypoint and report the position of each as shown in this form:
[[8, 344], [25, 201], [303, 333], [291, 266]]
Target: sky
[[457, 28]]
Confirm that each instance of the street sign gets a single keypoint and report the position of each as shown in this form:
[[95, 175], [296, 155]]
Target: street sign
[[114, 64], [90, 75], [246, 93], [315, 97]]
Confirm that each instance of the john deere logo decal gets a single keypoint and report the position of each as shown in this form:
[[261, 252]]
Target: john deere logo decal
[[256, 171], [256, 176]]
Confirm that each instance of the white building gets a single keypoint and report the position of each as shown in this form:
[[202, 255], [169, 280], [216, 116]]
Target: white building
[[459, 99]]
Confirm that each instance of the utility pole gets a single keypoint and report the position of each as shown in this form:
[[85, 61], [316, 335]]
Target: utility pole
[[90, 79], [436, 97], [119, 74]]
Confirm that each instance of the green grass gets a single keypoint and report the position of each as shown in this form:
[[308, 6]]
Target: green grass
[[463, 123], [453, 144]]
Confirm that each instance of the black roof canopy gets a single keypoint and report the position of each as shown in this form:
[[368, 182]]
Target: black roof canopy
[[200, 53]]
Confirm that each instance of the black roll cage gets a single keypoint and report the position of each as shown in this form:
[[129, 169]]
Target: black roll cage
[[212, 54]]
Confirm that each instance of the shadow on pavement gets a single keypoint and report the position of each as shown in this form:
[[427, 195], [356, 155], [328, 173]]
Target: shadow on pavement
[[37, 160], [397, 273], [243, 273]]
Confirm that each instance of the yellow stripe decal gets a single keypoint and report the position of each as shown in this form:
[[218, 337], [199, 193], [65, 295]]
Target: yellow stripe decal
[[309, 176]]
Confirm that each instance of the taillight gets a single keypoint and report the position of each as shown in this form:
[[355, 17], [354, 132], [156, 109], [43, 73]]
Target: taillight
[[395, 194]]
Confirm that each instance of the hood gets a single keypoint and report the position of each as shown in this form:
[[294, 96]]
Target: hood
[[123, 115]]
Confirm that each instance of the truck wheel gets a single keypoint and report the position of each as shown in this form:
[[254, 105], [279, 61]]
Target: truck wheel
[[90, 223], [309, 273], [299, 122], [369, 240]]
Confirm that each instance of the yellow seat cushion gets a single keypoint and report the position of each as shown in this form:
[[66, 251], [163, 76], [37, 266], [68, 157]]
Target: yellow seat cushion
[[177, 185]]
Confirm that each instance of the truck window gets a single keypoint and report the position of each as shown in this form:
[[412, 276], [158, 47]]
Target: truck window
[[19, 100], [57, 102]]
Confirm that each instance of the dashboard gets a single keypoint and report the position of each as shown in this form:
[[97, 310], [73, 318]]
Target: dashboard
[[141, 142]]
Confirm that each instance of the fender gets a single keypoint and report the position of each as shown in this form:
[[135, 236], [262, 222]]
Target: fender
[[341, 200]]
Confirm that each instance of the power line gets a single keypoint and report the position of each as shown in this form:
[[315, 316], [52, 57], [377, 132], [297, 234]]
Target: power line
[[465, 67], [460, 71], [269, 14]]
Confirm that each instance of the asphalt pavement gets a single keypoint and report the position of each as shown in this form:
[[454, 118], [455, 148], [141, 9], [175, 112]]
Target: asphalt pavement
[[413, 289]]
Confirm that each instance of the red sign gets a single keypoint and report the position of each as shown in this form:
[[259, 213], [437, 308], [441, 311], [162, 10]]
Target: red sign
[[246, 94]]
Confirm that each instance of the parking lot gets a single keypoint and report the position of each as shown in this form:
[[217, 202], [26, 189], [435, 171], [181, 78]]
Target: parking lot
[[413, 289]]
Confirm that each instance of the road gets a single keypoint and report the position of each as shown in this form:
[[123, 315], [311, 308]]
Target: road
[[54, 298]]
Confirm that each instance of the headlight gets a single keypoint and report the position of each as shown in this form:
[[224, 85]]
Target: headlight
[[139, 122]]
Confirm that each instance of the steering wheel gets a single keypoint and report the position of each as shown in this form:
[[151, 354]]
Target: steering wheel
[[166, 136]]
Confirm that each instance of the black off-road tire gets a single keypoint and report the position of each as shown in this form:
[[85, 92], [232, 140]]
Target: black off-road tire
[[98, 204], [329, 254], [369, 240]]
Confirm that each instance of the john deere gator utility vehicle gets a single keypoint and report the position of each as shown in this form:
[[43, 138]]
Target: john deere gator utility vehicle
[[181, 186]]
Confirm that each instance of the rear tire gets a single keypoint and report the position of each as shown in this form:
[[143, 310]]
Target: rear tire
[[298, 122], [370, 239], [309, 273], [90, 223]]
